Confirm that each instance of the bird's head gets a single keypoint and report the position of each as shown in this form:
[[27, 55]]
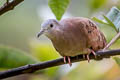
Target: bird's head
[[48, 26]]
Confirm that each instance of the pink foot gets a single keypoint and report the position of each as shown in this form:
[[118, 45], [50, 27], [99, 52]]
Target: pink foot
[[65, 59], [88, 58], [93, 53], [88, 55], [69, 61]]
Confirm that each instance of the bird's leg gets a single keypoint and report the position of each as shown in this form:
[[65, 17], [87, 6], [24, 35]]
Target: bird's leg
[[89, 52], [88, 58], [65, 59], [69, 61], [93, 52]]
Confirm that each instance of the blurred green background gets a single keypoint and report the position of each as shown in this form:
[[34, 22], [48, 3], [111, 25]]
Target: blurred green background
[[19, 45]]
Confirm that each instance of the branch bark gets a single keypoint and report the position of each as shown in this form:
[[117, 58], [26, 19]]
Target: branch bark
[[34, 67], [9, 6]]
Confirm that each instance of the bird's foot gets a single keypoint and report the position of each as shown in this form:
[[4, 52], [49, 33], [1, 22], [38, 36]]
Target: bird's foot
[[65, 59], [69, 61], [88, 58], [89, 54], [93, 52]]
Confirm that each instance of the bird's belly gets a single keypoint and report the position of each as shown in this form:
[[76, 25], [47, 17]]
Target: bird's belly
[[72, 48], [73, 52]]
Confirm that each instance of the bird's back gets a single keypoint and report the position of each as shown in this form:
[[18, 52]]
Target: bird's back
[[77, 35]]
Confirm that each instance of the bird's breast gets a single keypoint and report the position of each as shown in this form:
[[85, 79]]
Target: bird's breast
[[69, 42]]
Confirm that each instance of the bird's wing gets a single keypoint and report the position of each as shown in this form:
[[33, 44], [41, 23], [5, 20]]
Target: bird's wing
[[85, 31], [96, 39]]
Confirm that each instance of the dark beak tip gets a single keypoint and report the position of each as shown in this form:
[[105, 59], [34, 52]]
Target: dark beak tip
[[38, 35]]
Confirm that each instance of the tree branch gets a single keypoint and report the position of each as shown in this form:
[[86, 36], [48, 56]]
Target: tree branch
[[112, 41], [9, 6], [34, 67]]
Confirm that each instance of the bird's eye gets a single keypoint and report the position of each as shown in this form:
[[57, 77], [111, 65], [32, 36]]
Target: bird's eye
[[51, 25]]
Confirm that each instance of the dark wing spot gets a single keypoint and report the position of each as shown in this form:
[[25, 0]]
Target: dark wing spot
[[92, 24], [89, 31], [91, 48]]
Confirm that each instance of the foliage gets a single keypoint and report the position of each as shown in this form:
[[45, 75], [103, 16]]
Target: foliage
[[11, 58], [58, 7], [111, 19], [110, 23], [99, 21]]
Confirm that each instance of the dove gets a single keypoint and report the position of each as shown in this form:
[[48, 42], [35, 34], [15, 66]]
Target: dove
[[73, 36]]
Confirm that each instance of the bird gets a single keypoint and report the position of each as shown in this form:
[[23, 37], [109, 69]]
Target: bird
[[73, 36]]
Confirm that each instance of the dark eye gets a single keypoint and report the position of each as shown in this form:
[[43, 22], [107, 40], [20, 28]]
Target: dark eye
[[51, 25]]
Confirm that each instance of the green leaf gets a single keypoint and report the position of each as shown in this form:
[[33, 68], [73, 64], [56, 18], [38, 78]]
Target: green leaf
[[11, 58], [117, 60], [113, 14], [58, 7], [99, 21], [110, 23]]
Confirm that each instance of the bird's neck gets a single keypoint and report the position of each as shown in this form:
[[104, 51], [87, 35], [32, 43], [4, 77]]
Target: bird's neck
[[53, 34]]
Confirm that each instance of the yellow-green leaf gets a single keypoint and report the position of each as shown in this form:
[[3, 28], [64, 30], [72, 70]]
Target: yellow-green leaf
[[99, 21]]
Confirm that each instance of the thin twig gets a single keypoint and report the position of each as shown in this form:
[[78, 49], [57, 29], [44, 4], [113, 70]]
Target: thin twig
[[9, 5], [34, 67], [112, 41]]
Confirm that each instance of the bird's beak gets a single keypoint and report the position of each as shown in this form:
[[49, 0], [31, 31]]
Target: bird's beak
[[40, 33]]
